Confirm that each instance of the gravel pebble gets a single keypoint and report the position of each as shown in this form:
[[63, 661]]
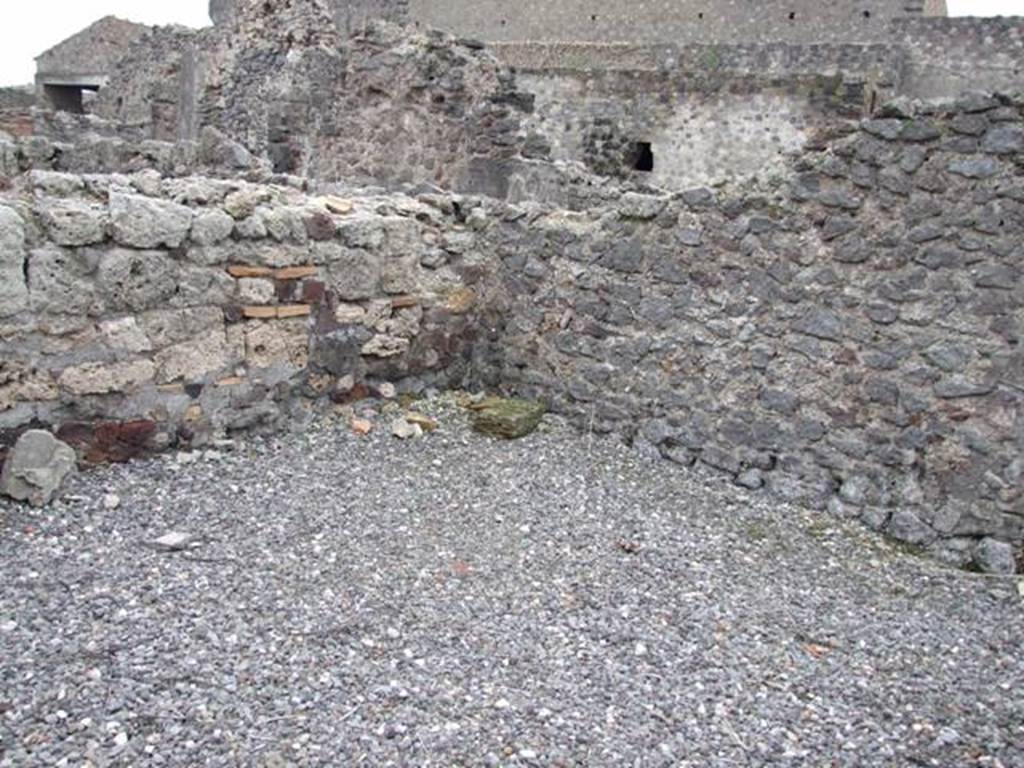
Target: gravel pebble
[[454, 600]]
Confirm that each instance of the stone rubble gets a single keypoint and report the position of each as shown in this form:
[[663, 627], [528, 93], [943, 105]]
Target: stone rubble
[[36, 468]]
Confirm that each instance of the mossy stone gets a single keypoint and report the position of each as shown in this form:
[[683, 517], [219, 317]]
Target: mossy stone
[[507, 419]]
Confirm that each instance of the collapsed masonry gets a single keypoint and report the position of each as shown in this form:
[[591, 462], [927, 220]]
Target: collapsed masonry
[[849, 340]]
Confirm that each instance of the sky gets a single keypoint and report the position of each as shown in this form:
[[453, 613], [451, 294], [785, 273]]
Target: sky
[[29, 28]]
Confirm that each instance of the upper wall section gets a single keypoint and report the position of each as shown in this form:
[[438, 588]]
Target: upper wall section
[[93, 51], [947, 56], [665, 21]]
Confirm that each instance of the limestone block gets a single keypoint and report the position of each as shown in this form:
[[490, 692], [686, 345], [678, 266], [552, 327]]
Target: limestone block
[[13, 291], [362, 232], [22, 383], [144, 222], [36, 468], [401, 275], [402, 236], [137, 280], [62, 281], [105, 378], [277, 342], [212, 227], [73, 222], [54, 183], [254, 290], [354, 274], [8, 158], [383, 345], [124, 335], [174, 326], [195, 359], [242, 203], [202, 286], [404, 322], [284, 224]]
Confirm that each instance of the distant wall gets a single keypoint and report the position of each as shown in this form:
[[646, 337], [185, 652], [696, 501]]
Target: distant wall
[[948, 56], [382, 108], [661, 21], [711, 114]]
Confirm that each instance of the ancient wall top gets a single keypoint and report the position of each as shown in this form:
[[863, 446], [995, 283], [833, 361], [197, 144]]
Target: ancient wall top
[[637, 21], [93, 51]]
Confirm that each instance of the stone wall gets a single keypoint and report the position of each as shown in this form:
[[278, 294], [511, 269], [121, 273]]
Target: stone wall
[[663, 21], [948, 56], [386, 107], [854, 344], [710, 114], [138, 312]]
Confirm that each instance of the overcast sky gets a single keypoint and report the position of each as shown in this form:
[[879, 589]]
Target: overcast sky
[[29, 27]]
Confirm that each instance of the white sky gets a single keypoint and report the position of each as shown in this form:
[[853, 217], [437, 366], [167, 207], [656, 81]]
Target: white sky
[[29, 27]]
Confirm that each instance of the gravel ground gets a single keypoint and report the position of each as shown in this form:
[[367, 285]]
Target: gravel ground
[[457, 601]]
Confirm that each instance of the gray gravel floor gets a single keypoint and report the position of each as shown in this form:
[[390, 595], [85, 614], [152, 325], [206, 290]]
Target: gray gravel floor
[[455, 601]]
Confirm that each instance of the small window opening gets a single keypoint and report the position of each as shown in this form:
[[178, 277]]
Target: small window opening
[[792, 15], [643, 157], [593, 17], [700, 16], [867, 14]]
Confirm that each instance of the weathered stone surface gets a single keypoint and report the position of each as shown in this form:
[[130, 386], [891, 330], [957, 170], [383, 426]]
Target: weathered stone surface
[[36, 468], [144, 222], [252, 290], [212, 227], [13, 291], [975, 167], [1004, 139], [993, 556], [507, 418], [137, 280], [165, 327], [383, 345], [196, 359], [405, 430], [74, 223], [105, 378], [277, 342], [21, 383], [353, 274]]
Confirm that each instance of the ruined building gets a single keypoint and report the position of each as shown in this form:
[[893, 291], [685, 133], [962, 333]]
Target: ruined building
[[795, 258]]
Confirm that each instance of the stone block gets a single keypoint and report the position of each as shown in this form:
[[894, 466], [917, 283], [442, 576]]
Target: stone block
[[124, 335], [36, 468], [137, 280], [23, 383], [383, 345], [354, 274], [277, 342], [73, 222], [994, 556], [106, 378], [212, 227], [196, 359], [508, 419], [145, 222], [13, 291], [254, 290], [165, 327]]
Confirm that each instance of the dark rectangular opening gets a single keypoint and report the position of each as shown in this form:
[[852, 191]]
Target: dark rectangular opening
[[643, 157], [65, 98]]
